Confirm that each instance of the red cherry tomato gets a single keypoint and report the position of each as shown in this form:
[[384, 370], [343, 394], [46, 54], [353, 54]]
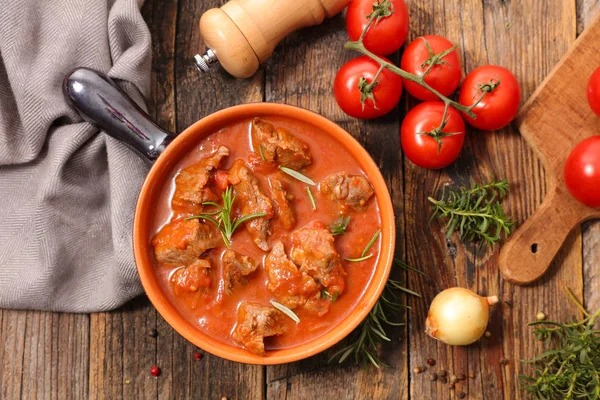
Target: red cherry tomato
[[501, 100], [385, 95], [593, 92], [443, 77], [582, 172], [421, 148], [384, 37]]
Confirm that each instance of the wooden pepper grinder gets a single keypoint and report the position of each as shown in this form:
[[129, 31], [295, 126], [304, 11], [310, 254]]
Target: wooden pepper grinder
[[242, 34]]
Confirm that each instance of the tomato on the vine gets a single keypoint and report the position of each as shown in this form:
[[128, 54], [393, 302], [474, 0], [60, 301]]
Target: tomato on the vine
[[501, 97], [424, 143], [357, 94], [445, 74], [385, 35], [582, 172], [593, 91]]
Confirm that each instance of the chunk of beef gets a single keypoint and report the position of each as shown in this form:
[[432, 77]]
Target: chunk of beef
[[252, 200], [280, 145], [282, 202], [190, 184], [291, 287], [350, 191], [255, 322], [192, 278], [313, 250], [236, 268], [183, 241]]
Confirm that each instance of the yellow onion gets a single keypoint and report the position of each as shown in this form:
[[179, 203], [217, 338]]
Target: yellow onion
[[458, 316]]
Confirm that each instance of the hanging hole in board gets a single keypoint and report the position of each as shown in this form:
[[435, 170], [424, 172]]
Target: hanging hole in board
[[534, 248]]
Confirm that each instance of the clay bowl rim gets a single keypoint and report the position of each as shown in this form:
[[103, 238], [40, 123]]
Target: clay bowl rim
[[164, 165]]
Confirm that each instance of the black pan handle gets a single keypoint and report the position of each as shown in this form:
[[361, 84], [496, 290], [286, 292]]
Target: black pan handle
[[101, 102]]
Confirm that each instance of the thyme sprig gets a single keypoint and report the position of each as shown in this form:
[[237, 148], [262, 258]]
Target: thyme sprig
[[475, 212], [570, 367], [365, 341], [222, 218]]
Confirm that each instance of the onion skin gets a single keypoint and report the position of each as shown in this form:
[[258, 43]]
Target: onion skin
[[458, 317]]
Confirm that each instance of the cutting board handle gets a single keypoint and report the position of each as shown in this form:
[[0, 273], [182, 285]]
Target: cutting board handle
[[529, 252]]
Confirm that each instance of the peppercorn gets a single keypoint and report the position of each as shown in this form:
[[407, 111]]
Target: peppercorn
[[488, 334], [417, 370], [152, 333], [155, 371], [472, 375], [503, 361], [443, 379], [443, 373], [198, 356], [453, 379], [431, 361], [433, 377], [461, 377], [127, 381], [461, 395]]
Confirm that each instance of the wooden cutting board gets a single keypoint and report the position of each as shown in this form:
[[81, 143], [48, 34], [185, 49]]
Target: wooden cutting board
[[553, 121]]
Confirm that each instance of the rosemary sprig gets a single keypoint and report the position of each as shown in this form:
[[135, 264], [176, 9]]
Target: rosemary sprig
[[222, 218], [339, 226], [570, 367], [475, 212], [366, 339]]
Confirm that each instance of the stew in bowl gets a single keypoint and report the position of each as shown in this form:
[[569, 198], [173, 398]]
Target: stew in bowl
[[263, 233]]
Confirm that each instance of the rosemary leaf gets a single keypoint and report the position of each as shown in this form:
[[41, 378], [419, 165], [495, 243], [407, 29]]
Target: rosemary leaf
[[570, 368], [260, 151], [370, 244], [286, 311], [359, 259], [326, 295], [339, 227], [312, 199], [474, 212], [297, 175]]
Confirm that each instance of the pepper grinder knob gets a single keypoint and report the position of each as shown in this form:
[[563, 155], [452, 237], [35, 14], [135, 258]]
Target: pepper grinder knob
[[242, 34]]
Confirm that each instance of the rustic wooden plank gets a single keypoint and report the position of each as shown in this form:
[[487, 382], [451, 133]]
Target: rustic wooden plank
[[301, 72], [488, 33], [55, 360], [12, 347]]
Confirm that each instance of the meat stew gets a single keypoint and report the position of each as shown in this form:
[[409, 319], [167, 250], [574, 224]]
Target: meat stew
[[286, 255]]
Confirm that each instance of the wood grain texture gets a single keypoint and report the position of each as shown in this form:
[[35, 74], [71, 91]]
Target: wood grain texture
[[553, 121], [108, 355], [489, 33], [44, 355]]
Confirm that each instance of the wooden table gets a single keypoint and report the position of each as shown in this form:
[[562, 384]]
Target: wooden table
[[108, 355]]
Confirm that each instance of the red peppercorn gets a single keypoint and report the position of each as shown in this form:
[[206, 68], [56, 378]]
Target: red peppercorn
[[155, 371], [431, 361], [198, 356]]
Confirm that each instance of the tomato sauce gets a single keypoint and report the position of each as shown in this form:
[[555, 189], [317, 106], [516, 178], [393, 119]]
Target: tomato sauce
[[215, 311]]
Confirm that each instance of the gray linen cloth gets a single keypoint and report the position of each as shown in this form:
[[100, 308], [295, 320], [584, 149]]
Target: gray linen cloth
[[67, 193]]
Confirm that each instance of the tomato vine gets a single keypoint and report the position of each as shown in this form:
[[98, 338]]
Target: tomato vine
[[383, 9]]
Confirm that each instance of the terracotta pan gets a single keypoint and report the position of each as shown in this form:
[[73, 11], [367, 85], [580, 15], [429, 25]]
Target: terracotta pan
[[99, 100]]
